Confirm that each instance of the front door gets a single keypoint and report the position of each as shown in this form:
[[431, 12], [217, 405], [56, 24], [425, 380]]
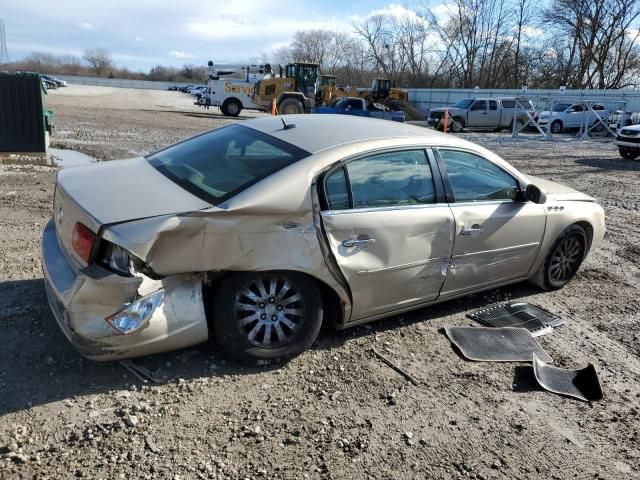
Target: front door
[[478, 112], [497, 236], [388, 233]]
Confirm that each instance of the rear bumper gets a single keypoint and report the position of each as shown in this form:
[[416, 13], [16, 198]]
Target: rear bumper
[[81, 298]]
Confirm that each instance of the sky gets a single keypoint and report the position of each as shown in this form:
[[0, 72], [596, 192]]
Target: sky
[[143, 33]]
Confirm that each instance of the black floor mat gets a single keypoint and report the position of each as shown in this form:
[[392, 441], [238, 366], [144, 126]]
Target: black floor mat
[[489, 344], [523, 315], [581, 384]]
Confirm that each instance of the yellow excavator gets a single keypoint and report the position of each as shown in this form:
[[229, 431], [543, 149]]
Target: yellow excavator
[[294, 91]]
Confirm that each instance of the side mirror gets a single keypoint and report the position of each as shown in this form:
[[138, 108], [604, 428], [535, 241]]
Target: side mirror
[[534, 194]]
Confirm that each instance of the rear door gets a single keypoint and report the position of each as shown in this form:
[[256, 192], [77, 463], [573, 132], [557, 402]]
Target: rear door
[[389, 229], [497, 236], [492, 118]]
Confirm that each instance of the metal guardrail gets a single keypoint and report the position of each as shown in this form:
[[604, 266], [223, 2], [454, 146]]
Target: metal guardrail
[[120, 83]]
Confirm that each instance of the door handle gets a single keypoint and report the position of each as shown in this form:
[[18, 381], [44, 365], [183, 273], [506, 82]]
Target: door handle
[[474, 230], [356, 242]]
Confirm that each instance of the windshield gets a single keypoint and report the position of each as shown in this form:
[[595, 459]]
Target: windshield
[[218, 164], [464, 103], [561, 107]]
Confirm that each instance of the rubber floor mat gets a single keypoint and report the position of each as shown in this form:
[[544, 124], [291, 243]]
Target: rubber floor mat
[[489, 344], [581, 384], [535, 319]]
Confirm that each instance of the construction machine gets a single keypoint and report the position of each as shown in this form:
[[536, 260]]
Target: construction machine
[[294, 91], [328, 90], [381, 90]]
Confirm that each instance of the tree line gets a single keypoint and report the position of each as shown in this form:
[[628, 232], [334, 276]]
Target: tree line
[[486, 43], [457, 44]]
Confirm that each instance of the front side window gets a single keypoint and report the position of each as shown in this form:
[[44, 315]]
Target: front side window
[[387, 179], [479, 105], [476, 179], [216, 165]]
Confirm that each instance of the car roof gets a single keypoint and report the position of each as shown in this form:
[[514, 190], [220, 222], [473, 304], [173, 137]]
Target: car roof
[[314, 133]]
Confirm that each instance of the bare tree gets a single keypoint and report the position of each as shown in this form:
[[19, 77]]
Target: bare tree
[[99, 60], [601, 42]]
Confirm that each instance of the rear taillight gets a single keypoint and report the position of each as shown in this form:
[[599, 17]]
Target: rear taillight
[[82, 241]]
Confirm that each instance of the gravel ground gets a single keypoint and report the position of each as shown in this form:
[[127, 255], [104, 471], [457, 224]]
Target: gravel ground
[[336, 411]]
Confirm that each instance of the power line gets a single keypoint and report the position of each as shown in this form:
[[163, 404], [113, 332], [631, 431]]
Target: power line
[[4, 54]]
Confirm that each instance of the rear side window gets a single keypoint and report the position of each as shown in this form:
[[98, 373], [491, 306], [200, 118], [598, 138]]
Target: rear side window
[[476, 179], [387, 179], [336, 190], [493, 105]]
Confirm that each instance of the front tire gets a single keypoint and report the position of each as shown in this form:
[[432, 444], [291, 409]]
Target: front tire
[[556, 127], [564, 259], [628, 154], [266, 316], [457, 125]]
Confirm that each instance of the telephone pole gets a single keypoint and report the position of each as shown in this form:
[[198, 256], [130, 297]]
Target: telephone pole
[[4, 54]]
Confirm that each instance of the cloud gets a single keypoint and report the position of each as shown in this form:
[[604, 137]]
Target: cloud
[[85, 26], [176, 54], [139, 39]]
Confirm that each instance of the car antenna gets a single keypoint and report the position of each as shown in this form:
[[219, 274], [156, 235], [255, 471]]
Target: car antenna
[[287, 127]]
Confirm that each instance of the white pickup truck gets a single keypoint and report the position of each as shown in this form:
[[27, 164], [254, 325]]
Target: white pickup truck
[[230, 95]]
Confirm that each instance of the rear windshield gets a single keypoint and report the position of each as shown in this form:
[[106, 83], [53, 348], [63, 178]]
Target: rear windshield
[[218, 164]]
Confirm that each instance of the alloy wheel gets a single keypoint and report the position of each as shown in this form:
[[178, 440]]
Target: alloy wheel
[[566, 259], [269, 310]]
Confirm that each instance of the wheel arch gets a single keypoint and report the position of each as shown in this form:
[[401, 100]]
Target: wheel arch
[[335, 310]]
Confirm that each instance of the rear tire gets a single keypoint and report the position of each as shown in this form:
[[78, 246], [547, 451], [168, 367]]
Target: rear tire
[[290, 106], [266, 316], [564, 259], [231, 107]]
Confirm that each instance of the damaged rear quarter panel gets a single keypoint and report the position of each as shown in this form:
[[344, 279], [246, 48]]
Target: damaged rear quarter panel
[[270, 226]]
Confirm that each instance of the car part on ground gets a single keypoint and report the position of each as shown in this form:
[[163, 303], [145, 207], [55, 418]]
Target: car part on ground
[[490, 344], [582, 384], [522, 315]]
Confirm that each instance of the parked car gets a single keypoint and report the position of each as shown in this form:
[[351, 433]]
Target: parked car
[[173, 88], [566, 115], [496, 113], [628, 142], [198, 91], [259, 232], [52, 79], [359, 107], [48, 84], [186, 88]]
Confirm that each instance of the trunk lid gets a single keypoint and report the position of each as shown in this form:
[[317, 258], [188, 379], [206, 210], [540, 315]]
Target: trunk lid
[[114, 192]]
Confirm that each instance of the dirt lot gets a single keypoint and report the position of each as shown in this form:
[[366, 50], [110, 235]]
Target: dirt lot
[[336, 411]]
